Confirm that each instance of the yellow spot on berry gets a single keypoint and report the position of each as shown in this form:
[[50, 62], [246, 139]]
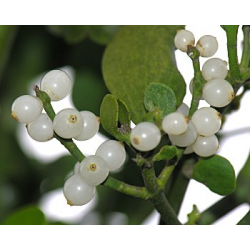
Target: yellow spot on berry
[[92, 167], [14, 116], [136, 140], [73, 119]]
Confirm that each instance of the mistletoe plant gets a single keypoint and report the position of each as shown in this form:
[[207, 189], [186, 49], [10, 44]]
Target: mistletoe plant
[[171, 142]]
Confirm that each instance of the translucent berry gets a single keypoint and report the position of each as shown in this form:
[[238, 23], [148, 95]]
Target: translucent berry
[[77, 168], [41, 129], [186, 138], [94, 170], [207, 46], [113, 152], [214, 68], [145, 136], [174, 124], [183, 109], [77, 192], [206, 146], [189, 150], [90, 126], [218, 92], [207, 121], [68, 123], [26, 108], [57, 84], [182, 39]]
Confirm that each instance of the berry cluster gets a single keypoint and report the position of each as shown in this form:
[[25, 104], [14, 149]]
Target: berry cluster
[[198, 133], [69, 123]]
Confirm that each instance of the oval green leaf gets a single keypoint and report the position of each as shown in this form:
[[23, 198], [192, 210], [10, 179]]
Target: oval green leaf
[[217, 173], [30, 215], [138, 56], [166, 153], [115, 118], [159, 97]]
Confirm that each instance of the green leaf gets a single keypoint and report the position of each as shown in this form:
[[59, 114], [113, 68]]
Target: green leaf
[[102, 34], [138, 56], [72, 34], [166, 153], [124, 114], [159, 97], [29, 215], [216, 173], [113, 111]]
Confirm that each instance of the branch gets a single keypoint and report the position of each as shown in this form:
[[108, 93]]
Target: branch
[[245, 59], [158, 197], [231, 33]]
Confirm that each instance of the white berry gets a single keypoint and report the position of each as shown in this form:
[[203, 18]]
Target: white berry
[[113, 152], [26, 108], [218, 92], [189, 150], [183, 109], [186, 138], [183, 39], [207, 121], [94, 170], [174, 124], [206, 146], [77, 192], [145, 136], [77, 168], [207, 46], [41, 129], [90, 126], [57, 84], [68, 123], [214, 68]]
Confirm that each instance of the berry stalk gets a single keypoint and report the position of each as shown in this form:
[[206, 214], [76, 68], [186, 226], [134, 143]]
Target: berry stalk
[[198, 81]]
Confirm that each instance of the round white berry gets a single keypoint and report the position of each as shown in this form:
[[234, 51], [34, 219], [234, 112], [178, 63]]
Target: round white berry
[[214, 68], [174, 124], [206, 146], [183, 39], [57, 84], [90, 126], [186, 138], [77, 192], [41, 129], [218, 92], [94, 170], [113, 152], [68, 123], [207, 46], [183, 109], [77, 168], [145, 136], [207, 121], [26, 108], [189, 150]]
